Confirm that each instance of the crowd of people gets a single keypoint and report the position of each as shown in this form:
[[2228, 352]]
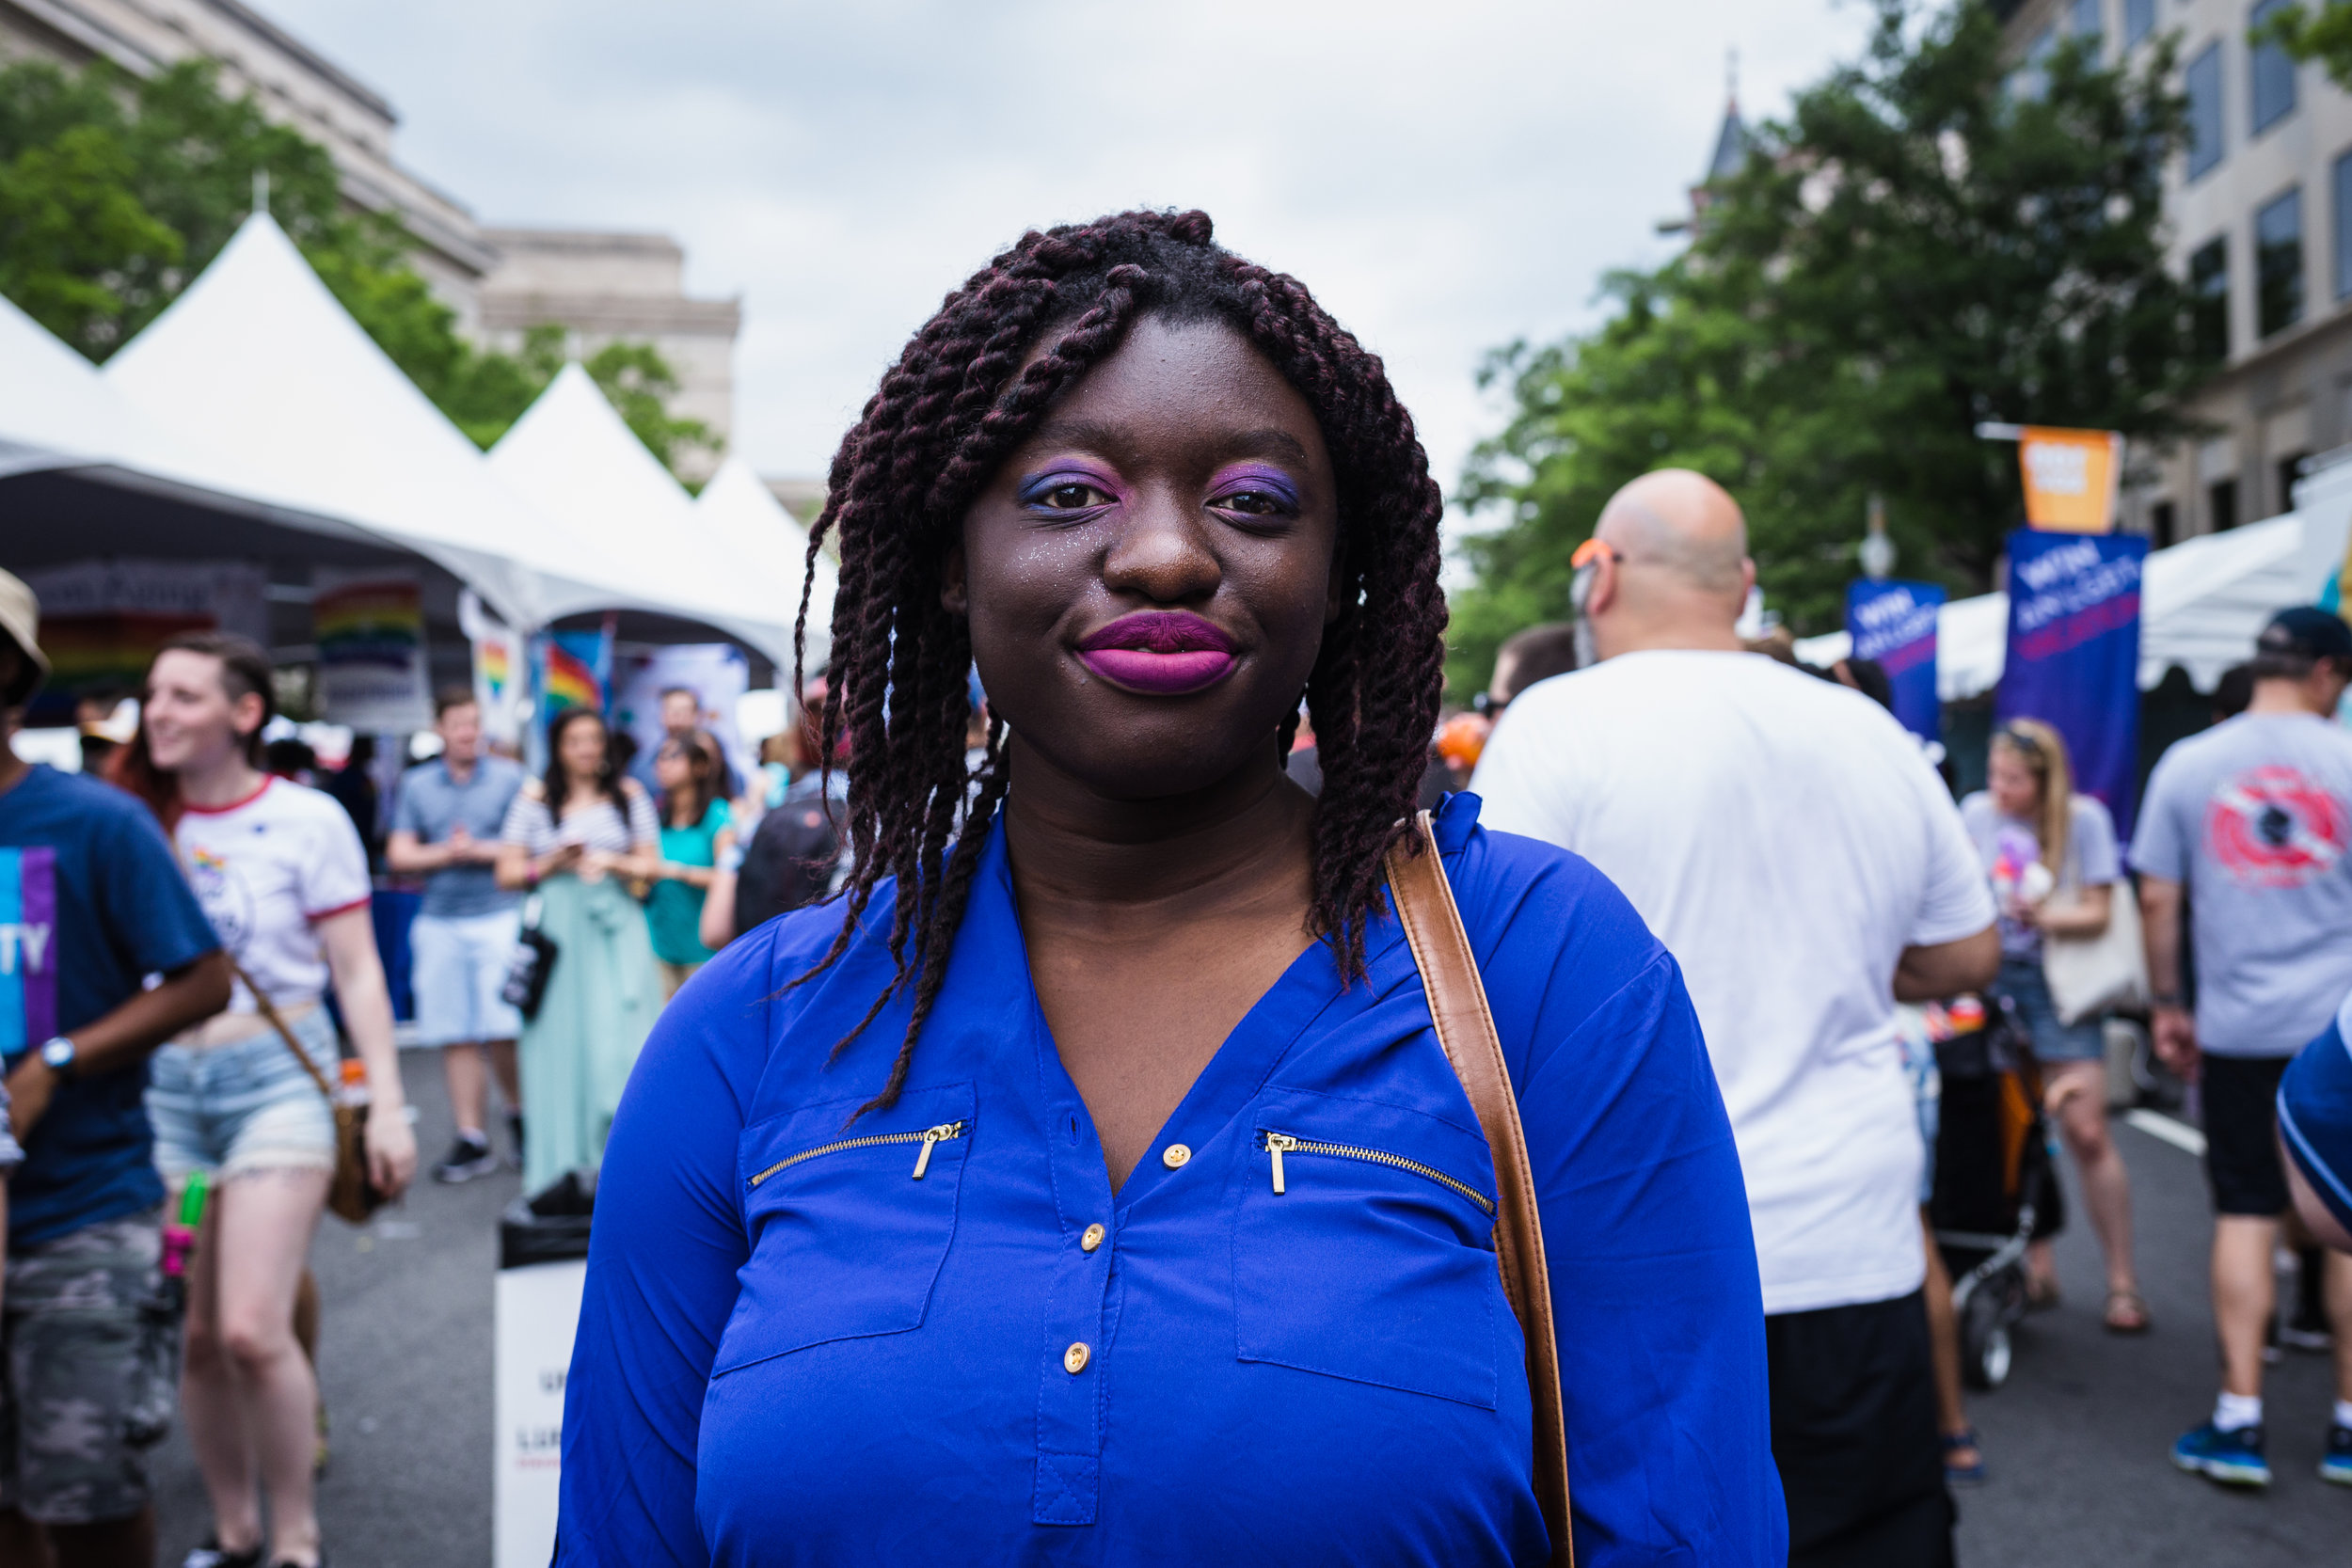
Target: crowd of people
[[1171, 1009], [192, 978]]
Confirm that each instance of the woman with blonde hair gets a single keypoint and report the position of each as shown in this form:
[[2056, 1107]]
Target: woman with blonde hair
[[2052, 856]]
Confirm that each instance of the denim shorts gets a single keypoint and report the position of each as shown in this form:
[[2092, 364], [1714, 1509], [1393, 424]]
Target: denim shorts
[[460, 967], [2023, 983], [244, 1106]]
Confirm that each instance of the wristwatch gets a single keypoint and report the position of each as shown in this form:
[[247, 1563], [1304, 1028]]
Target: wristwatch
[[58, 1054]]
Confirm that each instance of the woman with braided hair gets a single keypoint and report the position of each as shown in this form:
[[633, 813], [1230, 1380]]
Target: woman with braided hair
[[1088, 1183]]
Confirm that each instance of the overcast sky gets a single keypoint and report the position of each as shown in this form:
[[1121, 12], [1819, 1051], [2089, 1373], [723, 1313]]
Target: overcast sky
[[1444, 177]]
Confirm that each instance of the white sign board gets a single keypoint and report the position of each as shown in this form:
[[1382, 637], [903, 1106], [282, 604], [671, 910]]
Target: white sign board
[[538, 1309]]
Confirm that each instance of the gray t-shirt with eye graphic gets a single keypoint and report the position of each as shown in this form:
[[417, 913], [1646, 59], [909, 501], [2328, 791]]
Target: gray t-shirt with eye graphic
[[2255, 817]]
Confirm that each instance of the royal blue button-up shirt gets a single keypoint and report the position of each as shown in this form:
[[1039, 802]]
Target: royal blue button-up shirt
[[937, 1334]]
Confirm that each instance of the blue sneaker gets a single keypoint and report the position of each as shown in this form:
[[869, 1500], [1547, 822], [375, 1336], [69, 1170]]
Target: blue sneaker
[[2232, 1458], [2336, 1464]]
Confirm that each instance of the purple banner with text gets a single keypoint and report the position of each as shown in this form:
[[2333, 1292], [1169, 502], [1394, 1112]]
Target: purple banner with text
[[1894, 623], [2074, 654]]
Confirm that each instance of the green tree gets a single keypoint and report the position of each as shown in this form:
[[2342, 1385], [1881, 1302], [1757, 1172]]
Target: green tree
[[115, 192], [2322, 34], [1925, 244]]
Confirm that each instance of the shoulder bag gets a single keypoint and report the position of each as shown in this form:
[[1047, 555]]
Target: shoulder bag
[[2090, 976], [530, 965], [1466, 1028], [351, 1195]]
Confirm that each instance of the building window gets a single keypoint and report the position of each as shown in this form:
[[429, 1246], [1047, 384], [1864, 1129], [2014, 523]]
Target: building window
[[2290, 470], [2140, 20], [2209, 286], [2082, 19], [2202, 81], [2271, 74], [2164, 526], [2222, 504], [2279, 264]]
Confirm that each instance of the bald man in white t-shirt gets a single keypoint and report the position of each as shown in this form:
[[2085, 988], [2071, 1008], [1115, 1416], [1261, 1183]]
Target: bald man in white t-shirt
[[1787, 841]]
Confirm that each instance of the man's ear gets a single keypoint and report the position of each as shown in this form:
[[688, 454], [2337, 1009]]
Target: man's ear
[[954, 596]]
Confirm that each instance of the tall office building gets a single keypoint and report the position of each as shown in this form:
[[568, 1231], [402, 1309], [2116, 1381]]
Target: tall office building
[[2260, 213]]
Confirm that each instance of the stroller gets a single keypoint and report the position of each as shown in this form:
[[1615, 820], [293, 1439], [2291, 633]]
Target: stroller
[[1996, 1186]]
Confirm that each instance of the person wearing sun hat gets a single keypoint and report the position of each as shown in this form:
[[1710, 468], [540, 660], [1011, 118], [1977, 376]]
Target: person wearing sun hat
[[90, 901]]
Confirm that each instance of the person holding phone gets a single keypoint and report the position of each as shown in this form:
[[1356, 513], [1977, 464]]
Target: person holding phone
[[573, 839]]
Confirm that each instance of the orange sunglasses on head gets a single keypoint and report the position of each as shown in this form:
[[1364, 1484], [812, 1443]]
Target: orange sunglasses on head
[[1592, 550]]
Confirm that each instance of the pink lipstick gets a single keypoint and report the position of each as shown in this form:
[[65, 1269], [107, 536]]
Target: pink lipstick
[[1160, 653]]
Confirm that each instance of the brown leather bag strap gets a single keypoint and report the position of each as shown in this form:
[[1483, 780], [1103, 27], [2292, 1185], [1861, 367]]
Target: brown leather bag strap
[[1458, 1006], [268, 1009]]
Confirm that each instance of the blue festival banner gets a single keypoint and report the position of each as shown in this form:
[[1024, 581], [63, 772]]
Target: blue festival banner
[[1894, 623], [2074, 654]]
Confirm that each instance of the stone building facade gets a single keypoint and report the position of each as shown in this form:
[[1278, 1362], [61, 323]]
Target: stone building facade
[[500, 281], [2260, 210]]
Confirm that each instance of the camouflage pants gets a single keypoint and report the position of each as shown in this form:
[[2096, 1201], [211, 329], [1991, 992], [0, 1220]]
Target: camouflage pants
[[90, 1372]]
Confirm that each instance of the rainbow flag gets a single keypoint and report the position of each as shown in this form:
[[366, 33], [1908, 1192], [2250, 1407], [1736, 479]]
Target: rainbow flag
[[571, 672]]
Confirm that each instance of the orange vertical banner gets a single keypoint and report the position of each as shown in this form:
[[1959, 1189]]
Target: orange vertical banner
[[2072, 478]]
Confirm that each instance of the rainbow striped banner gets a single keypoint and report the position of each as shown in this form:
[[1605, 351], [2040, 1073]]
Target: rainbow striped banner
[[370, 629]]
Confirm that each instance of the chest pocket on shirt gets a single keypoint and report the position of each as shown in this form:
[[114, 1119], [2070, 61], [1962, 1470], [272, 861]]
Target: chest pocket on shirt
[[1374, 1263], [848, 1227]]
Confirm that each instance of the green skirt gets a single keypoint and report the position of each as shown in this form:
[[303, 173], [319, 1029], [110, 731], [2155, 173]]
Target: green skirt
[[601, 1000]]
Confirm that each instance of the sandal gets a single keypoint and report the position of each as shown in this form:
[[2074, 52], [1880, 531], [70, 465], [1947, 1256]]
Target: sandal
[[2041, 1295], [1963, 1474], [2127, 1312]]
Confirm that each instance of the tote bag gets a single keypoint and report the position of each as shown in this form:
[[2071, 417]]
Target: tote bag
[[2090, 976]]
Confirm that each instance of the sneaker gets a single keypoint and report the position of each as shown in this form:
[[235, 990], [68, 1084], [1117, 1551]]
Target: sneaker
[[2232, 1458], [468, 1159], [210, 1555], [2336, 1464]]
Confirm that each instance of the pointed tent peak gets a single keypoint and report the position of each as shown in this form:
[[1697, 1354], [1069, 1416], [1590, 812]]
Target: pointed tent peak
[[259, 362], [573, 457], [52, 398], [573, 453], [771, 544], [259, 313]]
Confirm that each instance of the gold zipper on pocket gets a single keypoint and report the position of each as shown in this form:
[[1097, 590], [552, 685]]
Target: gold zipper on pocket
[[1278, 1144], [929, 1138]]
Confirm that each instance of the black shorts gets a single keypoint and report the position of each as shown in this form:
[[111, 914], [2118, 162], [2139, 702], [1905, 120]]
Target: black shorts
[[2242, 1135], [1855, 1437]]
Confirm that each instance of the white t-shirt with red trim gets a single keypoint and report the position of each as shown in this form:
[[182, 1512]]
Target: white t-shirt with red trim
[[267, 870]]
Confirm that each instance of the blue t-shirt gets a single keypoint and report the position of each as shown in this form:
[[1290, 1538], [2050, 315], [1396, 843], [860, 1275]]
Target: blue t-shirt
[[91, 901], [431, 804], [2315, 1115], [799, 1345]]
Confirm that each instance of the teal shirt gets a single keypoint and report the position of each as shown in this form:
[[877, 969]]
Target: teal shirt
[[675, 913]]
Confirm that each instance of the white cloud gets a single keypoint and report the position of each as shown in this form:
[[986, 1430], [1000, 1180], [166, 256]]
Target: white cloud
[[1446, 177]]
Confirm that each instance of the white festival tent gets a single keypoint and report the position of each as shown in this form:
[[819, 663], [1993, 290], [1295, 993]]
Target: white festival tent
[[56, 409], [257, 361], [575, 458], [756, 529], [2201, 601], [85, 472]]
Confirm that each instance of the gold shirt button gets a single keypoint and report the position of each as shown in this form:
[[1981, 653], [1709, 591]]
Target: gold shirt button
[[1174, 1156], [1093, 1238], [1073, 1361]]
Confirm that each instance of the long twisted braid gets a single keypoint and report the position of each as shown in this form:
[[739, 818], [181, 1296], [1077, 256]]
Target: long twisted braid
[[953, 408]]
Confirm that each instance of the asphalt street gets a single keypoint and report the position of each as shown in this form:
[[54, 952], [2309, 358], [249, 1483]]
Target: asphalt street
[[2075, 1440]]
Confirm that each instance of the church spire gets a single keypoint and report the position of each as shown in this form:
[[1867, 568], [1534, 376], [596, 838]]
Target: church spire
[[1731, 142]]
